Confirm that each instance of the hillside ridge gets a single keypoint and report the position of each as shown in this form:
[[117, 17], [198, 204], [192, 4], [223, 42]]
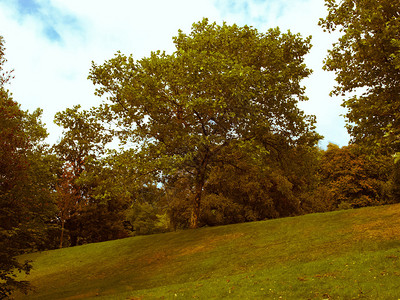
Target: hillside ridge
[[313, 251]]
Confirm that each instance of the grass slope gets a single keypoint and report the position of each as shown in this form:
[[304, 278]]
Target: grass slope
[[353, 254]]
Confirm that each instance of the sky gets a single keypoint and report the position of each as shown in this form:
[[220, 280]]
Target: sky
[[50, 44]]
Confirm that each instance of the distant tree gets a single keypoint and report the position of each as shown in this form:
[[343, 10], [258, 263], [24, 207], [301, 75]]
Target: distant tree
[[366, 58], [222, 85], [82, 143], [68, 201], [136, 190], [84, 138], [90, 207], [354, 178], [102, 218]]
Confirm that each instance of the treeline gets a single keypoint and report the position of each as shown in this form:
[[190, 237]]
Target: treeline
[[209, 135]]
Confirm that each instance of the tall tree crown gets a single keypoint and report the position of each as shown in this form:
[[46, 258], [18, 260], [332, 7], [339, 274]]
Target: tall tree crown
[[366, 59], [223, 84]]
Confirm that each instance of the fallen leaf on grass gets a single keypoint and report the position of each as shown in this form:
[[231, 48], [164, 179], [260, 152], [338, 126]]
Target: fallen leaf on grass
[[302, 278]]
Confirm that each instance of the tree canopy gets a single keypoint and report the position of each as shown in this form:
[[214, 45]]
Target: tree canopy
[[355, 179], [223, 84], [26, 182], [366, 59]]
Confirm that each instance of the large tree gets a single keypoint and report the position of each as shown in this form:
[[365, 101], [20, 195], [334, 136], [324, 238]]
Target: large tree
[[25, 185], [223, 84], [366, 60], [13, 172], [90, 208]]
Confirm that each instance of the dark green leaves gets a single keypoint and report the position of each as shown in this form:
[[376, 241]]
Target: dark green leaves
[[365, 60]]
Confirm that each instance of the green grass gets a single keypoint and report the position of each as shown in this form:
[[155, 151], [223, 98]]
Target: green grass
[[353, 254]]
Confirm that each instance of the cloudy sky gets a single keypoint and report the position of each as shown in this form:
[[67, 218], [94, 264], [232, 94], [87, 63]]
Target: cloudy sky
[[50, 45]]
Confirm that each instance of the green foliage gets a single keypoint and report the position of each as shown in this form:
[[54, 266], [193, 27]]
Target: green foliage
[[253, 188], [268, 181], [84, 137], [26, 182], [351, 177], [89, 200], [395, 185], [91, 208], [366, 59], [344, 205], [250, 182], [178, 197], [8, 282], [223, 85], [145, 219]]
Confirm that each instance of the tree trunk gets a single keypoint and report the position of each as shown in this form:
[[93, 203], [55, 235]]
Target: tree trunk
[[62, 234], [74, 239], [200, 181], [195, 215]]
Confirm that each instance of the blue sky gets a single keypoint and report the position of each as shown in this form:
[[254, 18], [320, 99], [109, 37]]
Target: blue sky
[[51, 43], [52, 19]]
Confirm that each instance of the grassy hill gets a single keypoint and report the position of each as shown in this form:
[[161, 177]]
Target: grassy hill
[[352, 254]]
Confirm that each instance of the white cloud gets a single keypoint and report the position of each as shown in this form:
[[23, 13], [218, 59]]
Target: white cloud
[[51, 73]]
